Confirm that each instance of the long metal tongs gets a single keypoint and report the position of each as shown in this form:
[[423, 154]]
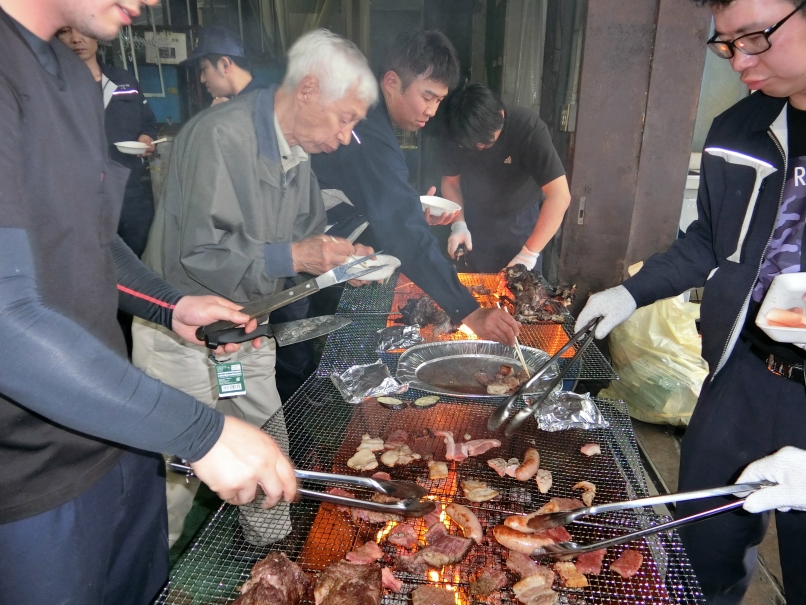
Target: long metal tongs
[[500, 415], [551, 520], [410, 494]]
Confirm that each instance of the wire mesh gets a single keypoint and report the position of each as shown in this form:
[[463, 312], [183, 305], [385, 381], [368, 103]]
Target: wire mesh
[[324, 432], [356, 344]]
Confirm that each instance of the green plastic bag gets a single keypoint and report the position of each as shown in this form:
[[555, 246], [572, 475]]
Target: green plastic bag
[[657, 355]]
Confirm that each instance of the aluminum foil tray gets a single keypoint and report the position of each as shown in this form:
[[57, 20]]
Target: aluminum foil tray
[[449, 367]]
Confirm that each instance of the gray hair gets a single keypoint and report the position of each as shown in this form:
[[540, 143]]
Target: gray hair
[[335, 62]]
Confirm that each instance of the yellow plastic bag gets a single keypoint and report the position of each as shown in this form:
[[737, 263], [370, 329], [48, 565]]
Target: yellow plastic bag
[[657, 355]]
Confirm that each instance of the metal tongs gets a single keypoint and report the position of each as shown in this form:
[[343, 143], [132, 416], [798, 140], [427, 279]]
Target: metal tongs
[[410, 494], [502, 412], [263, 306], [550, 520]]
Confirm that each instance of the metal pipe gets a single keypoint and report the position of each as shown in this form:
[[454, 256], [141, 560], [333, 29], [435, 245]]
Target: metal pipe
[[240, 20], [134, 58], [190, 15], [168, 11], [122, 49], [260, 19], [160, 94]]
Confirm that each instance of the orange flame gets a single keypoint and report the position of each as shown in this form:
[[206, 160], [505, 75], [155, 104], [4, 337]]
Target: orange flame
[[467, 332], [385, 531]]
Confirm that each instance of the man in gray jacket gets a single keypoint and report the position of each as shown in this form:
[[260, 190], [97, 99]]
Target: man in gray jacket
[[241, 211]]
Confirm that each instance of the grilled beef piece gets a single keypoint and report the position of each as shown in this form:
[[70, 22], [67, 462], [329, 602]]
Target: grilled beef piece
[[591, 562], [533, 302], [489, 581], [343, 583], [423, 311], [403, 535], [275, 581], [431, 595], [628, 563]]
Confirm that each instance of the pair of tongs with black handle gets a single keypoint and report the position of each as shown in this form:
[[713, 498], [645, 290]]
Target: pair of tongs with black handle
[[410, 494], [558, 519], [502, 412]]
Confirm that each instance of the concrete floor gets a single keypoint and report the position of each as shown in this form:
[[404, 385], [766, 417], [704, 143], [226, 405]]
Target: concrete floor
[[661, 444]]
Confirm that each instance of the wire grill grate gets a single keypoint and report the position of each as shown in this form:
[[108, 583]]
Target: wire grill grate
[[324, 431], [356, 344]]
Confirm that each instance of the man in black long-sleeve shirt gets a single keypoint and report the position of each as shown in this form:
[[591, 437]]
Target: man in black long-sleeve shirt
[[82, 519], [420, 69]]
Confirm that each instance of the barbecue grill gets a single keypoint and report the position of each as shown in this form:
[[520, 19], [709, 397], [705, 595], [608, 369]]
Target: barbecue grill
[[324, 432]]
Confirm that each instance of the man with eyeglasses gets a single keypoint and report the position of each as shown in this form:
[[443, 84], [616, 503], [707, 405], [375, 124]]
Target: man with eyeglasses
[[750, 228]]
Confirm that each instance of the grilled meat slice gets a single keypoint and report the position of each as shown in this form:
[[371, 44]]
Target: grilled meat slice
[[365, 554], [490, 580], [628, 563], [533, 302], [536, 589], [525, 566], [390, 581], [446, 551], [591, 562], [570, 575], [343, 583], [432, 595], [275, 580], [403, 535], [435, 532]]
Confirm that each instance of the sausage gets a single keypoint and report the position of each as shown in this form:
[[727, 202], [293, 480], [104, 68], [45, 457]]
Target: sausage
[[529, 466], [784, 317], [518, 541], [466, 519], [519, 523]]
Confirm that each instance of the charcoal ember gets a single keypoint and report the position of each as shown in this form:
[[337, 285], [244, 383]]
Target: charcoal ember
[[488, 582], [533, 302], [343, 583], [423, 311], [275, 580]]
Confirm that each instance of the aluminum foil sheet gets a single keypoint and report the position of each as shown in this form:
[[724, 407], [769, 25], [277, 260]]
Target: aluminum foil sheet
[[566, 410], [450, 367], [373, 380], [398, 337]]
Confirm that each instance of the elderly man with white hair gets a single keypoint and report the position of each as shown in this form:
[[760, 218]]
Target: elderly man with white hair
[[241, 211]]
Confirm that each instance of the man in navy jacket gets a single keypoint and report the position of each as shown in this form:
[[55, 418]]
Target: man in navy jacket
[[750, 228]]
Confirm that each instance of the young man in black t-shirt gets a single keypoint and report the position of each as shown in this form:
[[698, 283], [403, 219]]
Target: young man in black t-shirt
[[498, 162]]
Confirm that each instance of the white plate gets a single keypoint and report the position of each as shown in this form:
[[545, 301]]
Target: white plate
[[131, 147], [391, 263], [438, 205], [786, 291]]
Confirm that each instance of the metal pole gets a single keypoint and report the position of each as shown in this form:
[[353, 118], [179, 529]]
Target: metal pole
[[240, 19], [122, 49], [190, 15], [260, 19], [168, 11], [134, 58], [160, 94]]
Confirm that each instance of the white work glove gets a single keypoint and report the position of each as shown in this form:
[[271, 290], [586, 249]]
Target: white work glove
[[787, 467], [613, 305], [525, 257], [459, 235]]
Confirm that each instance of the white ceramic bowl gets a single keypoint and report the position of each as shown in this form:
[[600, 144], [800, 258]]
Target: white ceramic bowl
[[131, 147], [391, 263], [438, 205], [786, 291]]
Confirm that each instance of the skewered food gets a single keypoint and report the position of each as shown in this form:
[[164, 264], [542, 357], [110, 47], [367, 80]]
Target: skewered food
[[423, 311], [543, 480], [588, 491], [591, 449], [389, 580], [591, 562], [437, 470], [432, 595], [373, 444], [477, 491], [466, 520], [535, 589], [533, 302], [628, 563], [570, 575], [403, 535], [529, 466], [392, 403], [343, 583], [363, 460], [276, 580], [490, 580], [364, 554], [429, 401]]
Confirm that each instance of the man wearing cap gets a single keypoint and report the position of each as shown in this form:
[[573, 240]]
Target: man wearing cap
[[225, 70], [240, 213]]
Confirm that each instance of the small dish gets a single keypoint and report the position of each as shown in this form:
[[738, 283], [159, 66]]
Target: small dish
[[391, 263], [131, 147], [438, 205], [786, 291]]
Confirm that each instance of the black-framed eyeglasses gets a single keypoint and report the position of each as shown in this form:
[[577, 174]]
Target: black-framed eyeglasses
[[753, 43]]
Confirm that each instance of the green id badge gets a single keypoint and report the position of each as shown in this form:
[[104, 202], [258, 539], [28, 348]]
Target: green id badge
[[230, 379]]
